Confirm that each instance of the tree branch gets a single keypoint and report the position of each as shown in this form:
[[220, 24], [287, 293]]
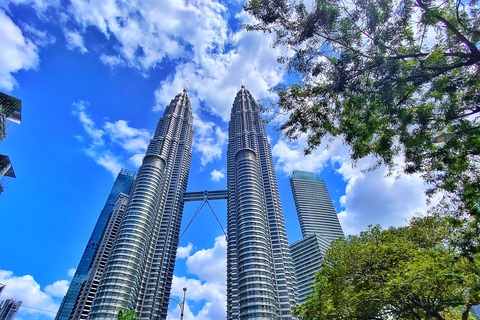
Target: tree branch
[[473, 48]]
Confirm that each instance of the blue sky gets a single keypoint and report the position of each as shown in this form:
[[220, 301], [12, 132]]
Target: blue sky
[[94, 77]]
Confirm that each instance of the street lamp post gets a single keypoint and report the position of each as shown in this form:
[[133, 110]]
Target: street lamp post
[[181, 305]]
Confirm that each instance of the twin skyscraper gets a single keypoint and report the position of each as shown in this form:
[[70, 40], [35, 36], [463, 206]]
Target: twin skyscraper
[[144, 214]]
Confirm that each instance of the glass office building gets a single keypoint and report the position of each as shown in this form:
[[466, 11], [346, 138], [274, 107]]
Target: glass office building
[[319, 225], [307, 256], [122, 184], [315, 210]]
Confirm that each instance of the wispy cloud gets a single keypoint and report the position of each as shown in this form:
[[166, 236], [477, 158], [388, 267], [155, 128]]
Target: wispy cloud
[[101, 140], [75, 41]]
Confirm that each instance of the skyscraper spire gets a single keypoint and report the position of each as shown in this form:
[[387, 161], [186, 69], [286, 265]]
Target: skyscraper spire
[[260, 276], [138, 274]]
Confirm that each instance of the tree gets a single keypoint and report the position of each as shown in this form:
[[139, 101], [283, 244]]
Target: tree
[[126, 315], [389, 78], [413, 272]]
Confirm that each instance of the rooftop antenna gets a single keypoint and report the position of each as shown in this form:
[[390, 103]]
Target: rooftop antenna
[[186, 82], [242, 83]]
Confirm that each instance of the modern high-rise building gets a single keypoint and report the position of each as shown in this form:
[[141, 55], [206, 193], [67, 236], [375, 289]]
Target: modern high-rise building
[[319, 225], [84, 300], [307, 256], [10, 109], [315, 210], [260, 274], [122, 185], [9, 308], [139, 271]]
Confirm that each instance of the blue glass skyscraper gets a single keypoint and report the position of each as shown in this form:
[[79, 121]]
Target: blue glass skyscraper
[[122, 184]]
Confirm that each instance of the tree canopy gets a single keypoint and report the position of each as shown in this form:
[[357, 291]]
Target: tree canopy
[[413, 272], [126, 315], [389, 78]]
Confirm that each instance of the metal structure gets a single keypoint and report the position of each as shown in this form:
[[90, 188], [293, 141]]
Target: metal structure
[[260, 275], [138, 274], [139, 270], [10, 109]]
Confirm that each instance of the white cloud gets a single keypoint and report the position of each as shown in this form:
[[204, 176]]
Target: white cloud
[[184, 252], [17, 52], [209, 266], [214, 78], [136, 160], [58, 288], [217, 175], [26, 289], [370, 197], [79, 109], [40, 38], [71, 272], [75, 41], [131, 139], [209, 140], [39, 5], [107, 160], [100, 141]]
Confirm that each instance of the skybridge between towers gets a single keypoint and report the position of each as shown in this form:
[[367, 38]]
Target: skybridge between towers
[[204, 197]]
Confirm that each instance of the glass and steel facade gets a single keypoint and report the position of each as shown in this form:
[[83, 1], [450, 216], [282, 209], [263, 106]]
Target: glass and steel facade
[[9, 308], [260, 275], [89, 287], [315, 210], [307, 256], [122, 184], [139, 271], [319, 225]]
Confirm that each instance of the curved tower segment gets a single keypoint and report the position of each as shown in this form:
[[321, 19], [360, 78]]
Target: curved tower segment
[[260, 276], [139, 270]]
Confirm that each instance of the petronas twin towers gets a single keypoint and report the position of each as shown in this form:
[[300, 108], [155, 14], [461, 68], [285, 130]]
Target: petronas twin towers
[[139, 270]]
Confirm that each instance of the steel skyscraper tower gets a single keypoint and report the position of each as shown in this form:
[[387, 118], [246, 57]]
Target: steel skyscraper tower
[[139, 271], [260, 275], [315, 210], [319, 224]]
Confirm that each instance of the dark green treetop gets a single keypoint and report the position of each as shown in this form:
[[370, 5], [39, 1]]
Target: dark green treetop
[[389, 78], [413, 272]]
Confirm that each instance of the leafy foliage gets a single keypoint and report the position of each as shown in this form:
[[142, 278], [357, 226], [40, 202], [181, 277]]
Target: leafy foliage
[[126, 315], [413, 272], [388, 77]]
